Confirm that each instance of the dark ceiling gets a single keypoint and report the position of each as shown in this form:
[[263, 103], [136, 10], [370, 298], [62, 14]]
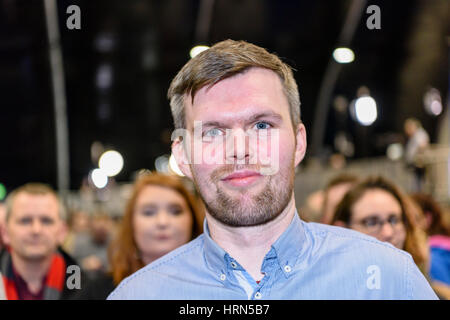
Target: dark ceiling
[[119, 65]]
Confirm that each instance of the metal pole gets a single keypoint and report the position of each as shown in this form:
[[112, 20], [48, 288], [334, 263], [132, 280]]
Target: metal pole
[[331, 75], [59, 97], [205, 14]]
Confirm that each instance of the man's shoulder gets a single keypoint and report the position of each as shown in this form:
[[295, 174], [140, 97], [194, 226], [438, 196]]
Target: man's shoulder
[[378, 269], [335, 240], [180, 255], [172, 267]]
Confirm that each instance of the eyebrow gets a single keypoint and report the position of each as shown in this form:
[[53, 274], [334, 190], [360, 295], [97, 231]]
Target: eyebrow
[[269, 114], [253, 118]]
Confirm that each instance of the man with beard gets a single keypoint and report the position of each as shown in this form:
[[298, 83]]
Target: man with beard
[[235, 105]]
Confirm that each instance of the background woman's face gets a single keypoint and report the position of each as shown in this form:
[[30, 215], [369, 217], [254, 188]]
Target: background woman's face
[[379, 214], [162, 221]]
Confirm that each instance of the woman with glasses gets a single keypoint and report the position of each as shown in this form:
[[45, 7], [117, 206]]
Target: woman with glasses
[[377, 207]]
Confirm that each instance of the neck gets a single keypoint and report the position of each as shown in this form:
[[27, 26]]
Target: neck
[[249, 245], [146, 259], [32, 271]]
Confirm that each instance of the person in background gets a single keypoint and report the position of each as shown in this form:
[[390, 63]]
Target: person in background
[[438, 241], [90, 248], [161, 215], [333, 194], [377, 207], [311, 210], [418, 141], [434, 223], [78, 225], [32, 266], [2, 222]]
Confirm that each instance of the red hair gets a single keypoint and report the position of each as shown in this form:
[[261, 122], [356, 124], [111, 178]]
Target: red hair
[[123, 252]]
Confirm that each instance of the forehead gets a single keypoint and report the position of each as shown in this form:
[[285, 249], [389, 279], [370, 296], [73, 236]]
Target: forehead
[[158, 194], [377, 201], [239, 97], [25, 203]]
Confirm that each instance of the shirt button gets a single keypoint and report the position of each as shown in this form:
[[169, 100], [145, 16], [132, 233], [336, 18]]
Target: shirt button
[[233, 264], [287, 268], [223, 277], [258, 295]]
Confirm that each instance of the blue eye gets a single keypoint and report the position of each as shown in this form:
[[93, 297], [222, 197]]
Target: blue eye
[[213, 133], [262, 126]]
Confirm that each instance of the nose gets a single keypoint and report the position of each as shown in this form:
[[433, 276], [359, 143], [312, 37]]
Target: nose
[[36, 226], [238, 147], [386, 232], [162, 219]]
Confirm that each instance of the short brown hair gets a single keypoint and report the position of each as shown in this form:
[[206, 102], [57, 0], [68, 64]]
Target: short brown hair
[[430, 207], [33, 188], [224, 60]]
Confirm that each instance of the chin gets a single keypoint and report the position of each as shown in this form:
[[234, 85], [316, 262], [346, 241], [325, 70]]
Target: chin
[[36, 256], [38, 253], [399, 245]]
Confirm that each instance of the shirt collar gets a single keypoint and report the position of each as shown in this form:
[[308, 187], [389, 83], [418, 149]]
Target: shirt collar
[[290, 245], [215, 256], [287, 247]]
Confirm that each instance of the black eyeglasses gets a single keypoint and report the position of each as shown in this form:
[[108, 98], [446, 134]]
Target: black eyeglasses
[[374, 224]]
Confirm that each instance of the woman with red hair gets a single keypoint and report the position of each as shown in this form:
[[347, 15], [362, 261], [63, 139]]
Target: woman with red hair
[[161, 215]]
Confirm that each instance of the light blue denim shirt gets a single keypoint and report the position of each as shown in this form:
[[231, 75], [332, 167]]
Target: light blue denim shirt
[[308, 261]]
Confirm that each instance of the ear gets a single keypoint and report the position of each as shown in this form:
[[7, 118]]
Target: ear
[[4, 233], [179, 152], [300, 147], [339, 223]]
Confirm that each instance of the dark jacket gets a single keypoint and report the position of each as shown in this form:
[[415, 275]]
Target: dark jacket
[[98, 288], [69, 291]]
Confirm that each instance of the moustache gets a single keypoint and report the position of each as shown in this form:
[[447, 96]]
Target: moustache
[[226, 170]]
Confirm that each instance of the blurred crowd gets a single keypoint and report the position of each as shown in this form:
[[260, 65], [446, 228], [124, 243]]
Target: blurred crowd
[[378, 207], [40, 239]]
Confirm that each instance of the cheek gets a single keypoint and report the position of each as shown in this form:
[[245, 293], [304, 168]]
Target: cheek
[[56, 230], [212, 153], [284, 143], [401, 236], [17, 234], [142, 227], [358, 228], [202, 172], [52, 235], [266, 149]]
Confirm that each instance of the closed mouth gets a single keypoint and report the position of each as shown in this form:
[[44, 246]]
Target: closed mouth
[[241, 175]]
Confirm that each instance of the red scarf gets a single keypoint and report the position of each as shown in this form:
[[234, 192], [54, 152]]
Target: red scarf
[[54, 283]]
